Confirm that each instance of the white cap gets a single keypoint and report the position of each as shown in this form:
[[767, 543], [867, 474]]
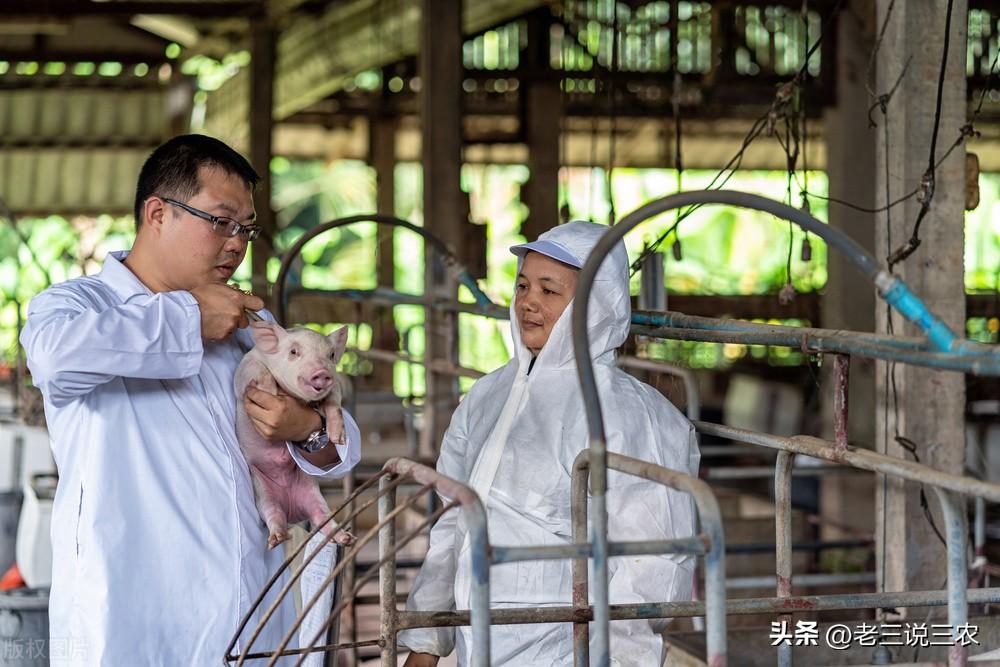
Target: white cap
[[552, 249]]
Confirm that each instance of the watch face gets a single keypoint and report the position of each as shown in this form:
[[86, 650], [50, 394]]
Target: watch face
[[317, 441]]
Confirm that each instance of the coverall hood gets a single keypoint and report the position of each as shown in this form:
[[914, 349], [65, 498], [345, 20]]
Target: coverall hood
[[610, 309]]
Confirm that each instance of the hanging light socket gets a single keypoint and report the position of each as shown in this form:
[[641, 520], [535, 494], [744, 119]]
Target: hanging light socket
[[807, 250], [678, 255]]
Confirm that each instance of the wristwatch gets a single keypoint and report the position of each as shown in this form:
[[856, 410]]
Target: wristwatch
[[316, 441]]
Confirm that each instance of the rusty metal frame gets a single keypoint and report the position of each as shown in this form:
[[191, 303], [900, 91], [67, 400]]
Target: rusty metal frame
[[941, 349]]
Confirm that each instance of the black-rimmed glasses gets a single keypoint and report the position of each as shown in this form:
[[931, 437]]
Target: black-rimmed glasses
[[221, 225]]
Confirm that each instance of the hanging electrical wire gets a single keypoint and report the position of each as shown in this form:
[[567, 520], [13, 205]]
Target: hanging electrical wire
[[595, 79], [565, 212], [779, 108], [928, 181], [806, 254], [612, 110], [675, 101]]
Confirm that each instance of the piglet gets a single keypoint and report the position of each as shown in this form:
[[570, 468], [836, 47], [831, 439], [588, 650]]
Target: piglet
[[303, 364]]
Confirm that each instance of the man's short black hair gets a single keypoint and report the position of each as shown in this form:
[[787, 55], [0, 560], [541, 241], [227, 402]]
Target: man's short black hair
[[172, 169]]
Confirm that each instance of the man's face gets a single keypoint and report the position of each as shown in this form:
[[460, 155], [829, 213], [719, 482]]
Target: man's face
[[544, 289], [196, 254]]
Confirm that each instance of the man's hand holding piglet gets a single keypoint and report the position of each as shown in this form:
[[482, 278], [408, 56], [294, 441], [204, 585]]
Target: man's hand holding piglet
[[279, 417], [284, 417]]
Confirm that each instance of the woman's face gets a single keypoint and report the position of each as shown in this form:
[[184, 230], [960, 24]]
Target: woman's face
[[544, 289]]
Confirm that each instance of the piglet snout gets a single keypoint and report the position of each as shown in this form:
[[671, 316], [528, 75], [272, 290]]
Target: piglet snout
[[320, 380]]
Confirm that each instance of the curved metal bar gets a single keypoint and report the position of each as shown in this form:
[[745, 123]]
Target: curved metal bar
[[711, 520], [386, 559], [958, 608], [308, 605], [692, 405], [454, 266], [284, 566], [474, 515], [890, 287]]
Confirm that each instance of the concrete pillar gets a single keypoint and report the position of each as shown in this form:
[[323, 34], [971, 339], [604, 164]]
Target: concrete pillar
[[445, 205], [262, 40], [848, 300], [382, 155], [930, 403]]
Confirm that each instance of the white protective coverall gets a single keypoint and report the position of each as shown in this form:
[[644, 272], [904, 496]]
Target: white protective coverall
[[514, 438], [158, 548]]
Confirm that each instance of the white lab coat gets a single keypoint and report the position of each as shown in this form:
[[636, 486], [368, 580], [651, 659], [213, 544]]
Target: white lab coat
[[158, 548], [513, 439]]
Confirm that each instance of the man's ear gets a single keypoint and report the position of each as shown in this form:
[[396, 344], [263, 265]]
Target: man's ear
[[339, 340], [267, 336], [154, 212]]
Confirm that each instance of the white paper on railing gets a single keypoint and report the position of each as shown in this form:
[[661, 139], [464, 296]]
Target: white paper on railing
[[315, 573]]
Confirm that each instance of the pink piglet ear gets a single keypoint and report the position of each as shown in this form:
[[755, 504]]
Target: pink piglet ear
[[266, 335], [339, 340]]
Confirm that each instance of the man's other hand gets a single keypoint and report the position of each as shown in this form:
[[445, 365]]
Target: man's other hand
[[222, 310], [280, 417]]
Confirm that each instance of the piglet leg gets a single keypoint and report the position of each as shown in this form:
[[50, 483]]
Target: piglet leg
[[274, 516], [309, 501], [261, 452]]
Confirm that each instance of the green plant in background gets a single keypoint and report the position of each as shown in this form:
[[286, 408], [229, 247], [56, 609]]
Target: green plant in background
[[57, 249]]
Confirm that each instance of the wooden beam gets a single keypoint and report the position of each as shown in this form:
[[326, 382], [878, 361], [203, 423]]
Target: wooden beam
[[382, 156], [44, 55], [542, 122], [18, 9], [318, 54], [262, 40], [445, 205]]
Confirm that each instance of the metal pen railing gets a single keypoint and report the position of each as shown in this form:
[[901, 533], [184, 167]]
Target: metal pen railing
[[395, 473], [941, 349]]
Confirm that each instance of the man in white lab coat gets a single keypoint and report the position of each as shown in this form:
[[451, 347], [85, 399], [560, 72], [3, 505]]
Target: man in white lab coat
[[514, 439], [158, 549]]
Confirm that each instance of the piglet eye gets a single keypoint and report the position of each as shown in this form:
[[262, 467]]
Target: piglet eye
[[294, 352]]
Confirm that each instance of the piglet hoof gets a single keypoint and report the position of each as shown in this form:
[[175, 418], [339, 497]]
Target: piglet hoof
[[344, 538], [275, 538]]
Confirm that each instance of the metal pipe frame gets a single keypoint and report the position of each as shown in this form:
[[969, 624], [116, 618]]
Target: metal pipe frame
[[783, 543], [862, 459], [692, 396], [475, 522], [712, 545], [448, 258], [945, 485], [941, 349], [296, 574], [395, 473], [737, 607], [437, 365], [951, 352]]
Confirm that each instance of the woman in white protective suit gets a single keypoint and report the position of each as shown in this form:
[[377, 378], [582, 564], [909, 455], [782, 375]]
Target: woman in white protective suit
[[514, 438]]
